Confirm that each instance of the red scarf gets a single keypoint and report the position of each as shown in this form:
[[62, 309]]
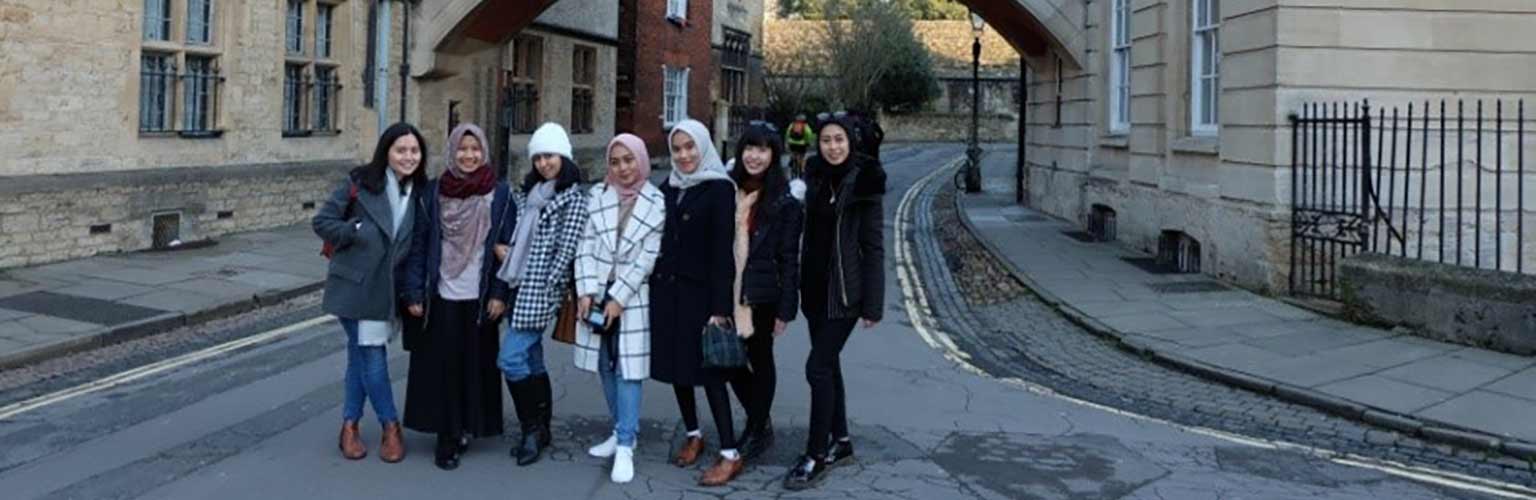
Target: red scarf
[[456, 184]]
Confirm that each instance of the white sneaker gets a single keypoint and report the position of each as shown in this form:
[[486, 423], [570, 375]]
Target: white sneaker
[[623, 464], [605, 448]]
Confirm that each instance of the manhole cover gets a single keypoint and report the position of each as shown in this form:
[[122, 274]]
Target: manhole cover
[[1188, 287], [1082, 236]]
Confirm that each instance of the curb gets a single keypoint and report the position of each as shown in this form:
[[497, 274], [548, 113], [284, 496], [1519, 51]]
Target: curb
[[134, 330], [1427, 429]]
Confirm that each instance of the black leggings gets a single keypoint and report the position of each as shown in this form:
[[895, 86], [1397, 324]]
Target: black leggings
[[719, 405], [755, 386], [824, 371]]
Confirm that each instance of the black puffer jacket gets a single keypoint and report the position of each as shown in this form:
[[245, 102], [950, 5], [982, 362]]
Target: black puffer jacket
[[856, 288], [772, 273]]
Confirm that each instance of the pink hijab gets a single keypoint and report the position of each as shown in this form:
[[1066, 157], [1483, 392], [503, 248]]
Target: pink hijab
[[635, 145]]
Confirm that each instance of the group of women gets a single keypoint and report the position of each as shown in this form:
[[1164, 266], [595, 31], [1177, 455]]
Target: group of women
[[473, 272]]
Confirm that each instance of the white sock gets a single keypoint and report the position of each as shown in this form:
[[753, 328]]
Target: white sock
[[695, 433], [730, 454]]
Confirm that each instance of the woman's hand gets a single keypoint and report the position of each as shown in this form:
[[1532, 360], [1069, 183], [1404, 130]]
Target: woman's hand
[[415, 309], [719, 320], [611, 312], [583, 307], [495, 309], [870, 323], [779, 326], [502, 251]]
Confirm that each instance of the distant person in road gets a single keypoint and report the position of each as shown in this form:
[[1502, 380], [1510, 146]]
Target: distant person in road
[[614, 261], [692, 287], [799, 137], [454, 389], [769, 215], [843, 282], [551, 213], [369, 221]]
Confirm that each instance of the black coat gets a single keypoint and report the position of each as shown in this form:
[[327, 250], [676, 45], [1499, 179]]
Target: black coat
[[856, 287], [693, 278], [772, 274], [423, 265]]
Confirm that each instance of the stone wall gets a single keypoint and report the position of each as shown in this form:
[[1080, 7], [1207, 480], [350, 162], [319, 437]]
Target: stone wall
[[57, 217], [1477, 307], [948, 127]]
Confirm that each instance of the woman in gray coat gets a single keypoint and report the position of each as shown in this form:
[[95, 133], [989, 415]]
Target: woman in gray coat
[[367, 223]]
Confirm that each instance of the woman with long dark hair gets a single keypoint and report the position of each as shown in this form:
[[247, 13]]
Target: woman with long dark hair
[[368, 222], [454, 389], [552, 211], [843, 260], [769, 216]]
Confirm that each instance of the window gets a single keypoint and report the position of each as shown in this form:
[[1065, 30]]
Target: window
[[674, 95], [311, 81], [199, 21], [295, 32], [179, 78], [1205, 67], [584, 80], [157, 72], [734, 59], [677, 10], [1120, 67], [323, 15], [157, 19], [525, 83]]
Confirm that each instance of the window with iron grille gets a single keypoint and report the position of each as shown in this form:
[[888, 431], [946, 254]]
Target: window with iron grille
[[325, 88], [200, 92], [1120, 66], [674, 95], [735, 58], [157, 76], [584, 82], [295, 27], [199, 21], [295, 89], [157, 19], [677, 10], [525, 83], [323, 15], [1205, 67]]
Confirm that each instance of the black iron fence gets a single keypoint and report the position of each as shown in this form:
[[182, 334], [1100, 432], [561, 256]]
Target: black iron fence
[[1436, 181]]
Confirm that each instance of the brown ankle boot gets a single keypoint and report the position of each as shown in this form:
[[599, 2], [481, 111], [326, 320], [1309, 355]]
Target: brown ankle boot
[[723, 472], [392, 448], [351, 442], [689, 453]]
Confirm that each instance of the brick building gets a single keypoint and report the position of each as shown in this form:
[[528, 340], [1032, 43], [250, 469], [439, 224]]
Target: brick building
[[665, 67]]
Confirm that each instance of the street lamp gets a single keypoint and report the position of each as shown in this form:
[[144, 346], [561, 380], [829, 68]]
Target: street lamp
[[973, 151]]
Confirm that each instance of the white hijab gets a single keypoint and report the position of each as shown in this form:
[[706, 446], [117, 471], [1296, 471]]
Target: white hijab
[[710, 167]]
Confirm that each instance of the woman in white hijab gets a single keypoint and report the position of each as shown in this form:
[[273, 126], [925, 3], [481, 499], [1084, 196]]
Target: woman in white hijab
[[691, 287]]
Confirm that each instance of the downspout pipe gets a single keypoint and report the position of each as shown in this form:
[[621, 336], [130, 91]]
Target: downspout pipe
[[405, 59], [381, 71]]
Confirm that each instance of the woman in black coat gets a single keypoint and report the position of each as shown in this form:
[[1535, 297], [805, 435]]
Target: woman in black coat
[[769, 216], [691, 287], [454, 385], [843, 260]]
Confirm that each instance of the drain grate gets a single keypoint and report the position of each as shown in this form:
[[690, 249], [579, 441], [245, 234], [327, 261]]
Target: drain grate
[[86, 309], [1187, 287], [1082, 236]]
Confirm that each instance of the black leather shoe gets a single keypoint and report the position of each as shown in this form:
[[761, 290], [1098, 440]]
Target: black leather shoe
[[447, 454], [806, 474], [756, 442], [842, 453]]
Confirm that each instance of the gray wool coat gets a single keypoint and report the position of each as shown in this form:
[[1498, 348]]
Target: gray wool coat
[[366, 275]]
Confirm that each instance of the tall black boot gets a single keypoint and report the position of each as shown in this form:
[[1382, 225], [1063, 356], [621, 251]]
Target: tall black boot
[[545, 404], [525, 398]]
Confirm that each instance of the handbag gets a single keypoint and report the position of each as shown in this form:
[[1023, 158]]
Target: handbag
[[565, 320], [722, 348]]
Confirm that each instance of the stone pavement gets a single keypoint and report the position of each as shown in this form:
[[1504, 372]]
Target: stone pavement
[[1441, 392], [54, 309]]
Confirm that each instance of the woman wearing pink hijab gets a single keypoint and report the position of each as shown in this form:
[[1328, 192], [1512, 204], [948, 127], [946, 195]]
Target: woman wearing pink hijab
[[618, 249]]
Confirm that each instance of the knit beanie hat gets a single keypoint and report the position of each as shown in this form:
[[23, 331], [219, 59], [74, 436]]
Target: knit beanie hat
[[550, 138]]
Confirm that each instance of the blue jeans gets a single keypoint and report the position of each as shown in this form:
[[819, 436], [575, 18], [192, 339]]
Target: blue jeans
[[522, 354], [623, 400], [367, 379]]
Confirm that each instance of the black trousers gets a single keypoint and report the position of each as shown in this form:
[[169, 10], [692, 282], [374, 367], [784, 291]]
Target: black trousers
[[824, 371], [755, 387], [719, 406]]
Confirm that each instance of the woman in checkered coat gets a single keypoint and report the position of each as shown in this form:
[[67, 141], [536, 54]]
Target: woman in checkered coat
[[552, 211], [613, 268]]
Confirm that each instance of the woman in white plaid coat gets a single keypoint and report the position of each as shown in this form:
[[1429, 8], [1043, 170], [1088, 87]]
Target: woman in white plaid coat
[[613, 268], [552, 210]]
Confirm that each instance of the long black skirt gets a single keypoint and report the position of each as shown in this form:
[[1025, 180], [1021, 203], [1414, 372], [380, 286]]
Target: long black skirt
[[454, 384]]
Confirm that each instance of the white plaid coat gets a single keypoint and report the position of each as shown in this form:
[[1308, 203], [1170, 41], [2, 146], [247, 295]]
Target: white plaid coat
[[536, 300], [629, 258]]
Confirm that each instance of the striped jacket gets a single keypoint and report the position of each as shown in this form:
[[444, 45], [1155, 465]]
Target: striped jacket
[[548, 271], [629, 258]]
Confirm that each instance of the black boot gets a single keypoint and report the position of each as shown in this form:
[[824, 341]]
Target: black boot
[[546, 407], [525, 399], [756, 441], [448, 452]]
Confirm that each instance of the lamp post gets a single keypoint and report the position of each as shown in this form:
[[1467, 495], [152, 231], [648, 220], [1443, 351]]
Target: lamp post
[[973, 151]]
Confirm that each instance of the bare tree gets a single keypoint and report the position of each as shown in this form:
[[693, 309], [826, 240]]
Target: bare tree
[[871, 40]]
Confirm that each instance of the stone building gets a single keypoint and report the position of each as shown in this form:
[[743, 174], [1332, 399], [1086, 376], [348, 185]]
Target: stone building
[[737, 40], [1174, 115], [159, 121]]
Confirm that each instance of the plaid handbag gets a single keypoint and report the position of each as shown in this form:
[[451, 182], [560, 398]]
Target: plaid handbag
[[722, 347]]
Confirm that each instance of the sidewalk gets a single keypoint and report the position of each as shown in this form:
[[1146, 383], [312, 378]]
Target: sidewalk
[[1398, 381], [53, 309]]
